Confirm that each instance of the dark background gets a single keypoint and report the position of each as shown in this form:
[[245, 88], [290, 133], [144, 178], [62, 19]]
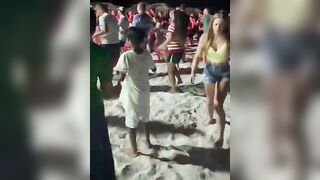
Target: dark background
[[212, 4]]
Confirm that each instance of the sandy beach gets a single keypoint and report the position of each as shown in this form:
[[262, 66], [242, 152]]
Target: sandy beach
[[183, 145]]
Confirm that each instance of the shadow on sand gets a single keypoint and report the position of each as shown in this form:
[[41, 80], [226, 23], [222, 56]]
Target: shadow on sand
[[155, 127], [215, 159], [211, 158]]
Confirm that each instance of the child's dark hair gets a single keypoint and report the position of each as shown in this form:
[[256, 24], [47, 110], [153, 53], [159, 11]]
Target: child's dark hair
[[137, 37]]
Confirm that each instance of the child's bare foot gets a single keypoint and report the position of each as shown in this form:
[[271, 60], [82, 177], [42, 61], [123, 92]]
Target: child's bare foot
[[209, 121], [149, 145], [131, 152], [173, 90]]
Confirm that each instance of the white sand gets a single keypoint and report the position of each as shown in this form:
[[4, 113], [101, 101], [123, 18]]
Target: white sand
[[183, 145]]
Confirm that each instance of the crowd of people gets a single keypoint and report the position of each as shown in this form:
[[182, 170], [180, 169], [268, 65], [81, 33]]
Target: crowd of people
[[121, 50]]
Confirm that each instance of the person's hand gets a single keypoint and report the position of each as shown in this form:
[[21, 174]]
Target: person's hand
[[193, 75]]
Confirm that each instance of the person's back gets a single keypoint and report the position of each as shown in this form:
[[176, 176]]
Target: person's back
[[137, 66], [123, 26], [111, 37]]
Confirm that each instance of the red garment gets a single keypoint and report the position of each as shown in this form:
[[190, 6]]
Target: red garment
[[192, 24], [130, 18], [117, 17]]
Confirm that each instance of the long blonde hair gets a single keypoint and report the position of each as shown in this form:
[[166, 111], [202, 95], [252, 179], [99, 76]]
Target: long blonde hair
[[210, 37]]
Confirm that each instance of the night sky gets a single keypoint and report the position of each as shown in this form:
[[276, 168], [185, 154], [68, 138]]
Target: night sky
[[212, 4]]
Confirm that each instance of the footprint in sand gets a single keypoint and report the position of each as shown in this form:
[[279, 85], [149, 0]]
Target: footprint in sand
[[202, 175], [160, 178], [178, 176], [129, 170], [152, 171], [122, 135]]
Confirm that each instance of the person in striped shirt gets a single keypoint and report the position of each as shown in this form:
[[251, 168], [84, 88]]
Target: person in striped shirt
[[175, 45]]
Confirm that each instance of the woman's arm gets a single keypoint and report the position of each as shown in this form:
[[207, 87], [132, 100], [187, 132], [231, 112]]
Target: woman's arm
[[199, 53]]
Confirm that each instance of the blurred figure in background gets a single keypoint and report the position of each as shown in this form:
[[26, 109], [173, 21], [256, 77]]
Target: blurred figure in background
[[123, 26], [293, 49], [158, 36], [115, 14], [130, 16], [182, 8], [206, 19], [279, 40], [101, 159], [142, 19], [214, 47], [109, 32], [192, 28]]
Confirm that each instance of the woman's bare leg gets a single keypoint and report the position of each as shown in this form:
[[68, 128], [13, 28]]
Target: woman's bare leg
[[210, 91], [221, 89]]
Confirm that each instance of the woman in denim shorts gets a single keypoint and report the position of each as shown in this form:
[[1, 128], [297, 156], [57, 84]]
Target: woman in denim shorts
[[214, 48]]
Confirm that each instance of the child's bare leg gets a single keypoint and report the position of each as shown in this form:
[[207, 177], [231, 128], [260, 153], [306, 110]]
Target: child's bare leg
[[177, 73], [147, 132], [133, 142]]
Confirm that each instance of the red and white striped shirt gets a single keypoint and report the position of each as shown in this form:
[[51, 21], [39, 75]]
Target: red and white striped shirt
[[174, 46]]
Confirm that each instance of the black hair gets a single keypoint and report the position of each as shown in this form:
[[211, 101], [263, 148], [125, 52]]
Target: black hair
[[143, 6], [104, 7], [182, 7], [137, 37], [92, 21], [158, 19], [181, 26]]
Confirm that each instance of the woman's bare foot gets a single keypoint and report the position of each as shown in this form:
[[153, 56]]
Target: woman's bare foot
[[209, 121], [131, 152], [219, 136]]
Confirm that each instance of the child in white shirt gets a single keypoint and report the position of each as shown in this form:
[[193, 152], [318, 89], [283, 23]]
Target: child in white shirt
[[134, 66]]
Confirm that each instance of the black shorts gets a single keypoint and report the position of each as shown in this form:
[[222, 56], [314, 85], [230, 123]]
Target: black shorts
[[175, 58], [192, 32]]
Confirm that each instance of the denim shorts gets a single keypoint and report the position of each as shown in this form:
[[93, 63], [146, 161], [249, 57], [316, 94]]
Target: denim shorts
[[216, 73], [290, 52]]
